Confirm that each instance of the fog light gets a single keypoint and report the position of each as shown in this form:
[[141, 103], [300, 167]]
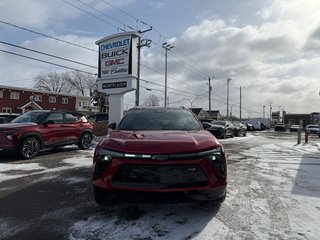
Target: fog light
[[9, 137], [106, 158]]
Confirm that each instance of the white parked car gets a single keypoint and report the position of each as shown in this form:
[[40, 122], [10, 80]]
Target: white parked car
[[313, 129]]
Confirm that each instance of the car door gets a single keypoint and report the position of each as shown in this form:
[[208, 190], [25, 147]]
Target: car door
[[53, 131], [73, 127]]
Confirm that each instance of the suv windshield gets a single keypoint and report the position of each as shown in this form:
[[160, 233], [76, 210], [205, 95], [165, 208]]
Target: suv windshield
[[32, 116], [159, 119]]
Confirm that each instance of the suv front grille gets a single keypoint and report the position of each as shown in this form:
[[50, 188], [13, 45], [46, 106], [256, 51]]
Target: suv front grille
[[160, 176]]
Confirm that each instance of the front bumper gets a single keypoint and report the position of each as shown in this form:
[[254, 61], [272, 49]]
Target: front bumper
[[164, 197]]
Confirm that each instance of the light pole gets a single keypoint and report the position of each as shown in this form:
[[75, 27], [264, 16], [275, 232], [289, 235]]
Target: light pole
[[191, 102], [228, 81], [167, 47]]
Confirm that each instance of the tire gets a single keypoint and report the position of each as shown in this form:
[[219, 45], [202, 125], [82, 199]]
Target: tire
[[224, 135], [232, 134], [220, 200], [29, 148], [85, 141], [102, 198]]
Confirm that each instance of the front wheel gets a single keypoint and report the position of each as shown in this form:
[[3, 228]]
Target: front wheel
[[85, 141], [29, 148], [103, 198]]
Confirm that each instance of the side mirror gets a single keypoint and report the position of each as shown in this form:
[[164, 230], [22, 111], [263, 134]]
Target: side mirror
[[112, 126], [49, 122], [206, 125]]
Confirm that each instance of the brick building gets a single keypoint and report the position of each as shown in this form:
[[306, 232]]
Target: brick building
[[20, 100]]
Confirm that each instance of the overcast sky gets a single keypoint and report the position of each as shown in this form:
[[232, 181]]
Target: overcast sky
[[269, 47]]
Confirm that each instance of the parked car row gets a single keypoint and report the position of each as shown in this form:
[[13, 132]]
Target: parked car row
[[7, 117], [224, 129], [311, 128]]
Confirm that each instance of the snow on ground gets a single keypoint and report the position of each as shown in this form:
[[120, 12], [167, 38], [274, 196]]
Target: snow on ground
[[273, 193], [10, 171]]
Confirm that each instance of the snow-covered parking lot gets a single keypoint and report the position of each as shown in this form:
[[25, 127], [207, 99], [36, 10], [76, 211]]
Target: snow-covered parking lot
[[273, 193]]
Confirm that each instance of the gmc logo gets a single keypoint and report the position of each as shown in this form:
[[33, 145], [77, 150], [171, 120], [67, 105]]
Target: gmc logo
[[114, 62]]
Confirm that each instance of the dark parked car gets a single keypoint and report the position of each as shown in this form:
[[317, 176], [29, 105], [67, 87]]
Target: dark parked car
[[98, 117], [313, 129], [159, 154], [295, 128], [100, 123], [249, 127], [222, 129], [7, 117], [38, 129], [240, 129], [280, 127]]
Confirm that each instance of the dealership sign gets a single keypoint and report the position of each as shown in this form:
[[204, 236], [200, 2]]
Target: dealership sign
[[118, 55], [118, 63], [118, 69]]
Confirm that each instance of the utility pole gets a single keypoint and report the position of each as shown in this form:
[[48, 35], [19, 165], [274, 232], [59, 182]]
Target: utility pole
[[240, 103], [270, 113], [228, 81], [141, 43], [210, 90], [167, 47]]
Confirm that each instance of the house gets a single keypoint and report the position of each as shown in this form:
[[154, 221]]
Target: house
[[297, 119], [215, 114], [20, 100], [200, 113]]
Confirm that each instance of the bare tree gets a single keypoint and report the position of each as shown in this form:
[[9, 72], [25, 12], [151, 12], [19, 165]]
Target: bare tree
[[74, 82], [82, 83], [152, 100], [53, 82]]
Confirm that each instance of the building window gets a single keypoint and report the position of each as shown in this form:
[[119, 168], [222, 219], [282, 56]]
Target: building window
[[15, 95], [65, 100], [52, 99], [6, 110], [1, 94], [38, 98]]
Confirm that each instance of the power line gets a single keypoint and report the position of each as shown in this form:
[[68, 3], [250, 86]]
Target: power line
[[129, 15], [47, 36], [114, 19], [46, 54], [94, 16], [39, 60]]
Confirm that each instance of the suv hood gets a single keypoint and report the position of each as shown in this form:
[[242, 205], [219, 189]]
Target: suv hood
[[159, 142]]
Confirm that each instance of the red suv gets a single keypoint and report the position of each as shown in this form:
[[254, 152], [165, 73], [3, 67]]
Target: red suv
[[159, 153], [38, 129]]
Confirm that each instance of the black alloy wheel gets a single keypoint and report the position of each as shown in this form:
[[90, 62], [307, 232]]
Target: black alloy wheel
[[29, 148], [85, 141]]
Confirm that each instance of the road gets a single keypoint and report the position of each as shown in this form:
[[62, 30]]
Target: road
[[50, 197]]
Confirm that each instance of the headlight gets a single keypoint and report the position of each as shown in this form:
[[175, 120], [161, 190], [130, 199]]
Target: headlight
[[213, 155], [107, 155]]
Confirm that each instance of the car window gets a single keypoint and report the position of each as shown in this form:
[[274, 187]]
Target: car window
[[102, 117], [56, 117], [219, 123], [32, 116], [71, 118], [168, 119]]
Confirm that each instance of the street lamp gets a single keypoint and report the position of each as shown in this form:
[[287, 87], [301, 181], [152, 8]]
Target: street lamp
[[228, 81], [191, 102], [167, 47]]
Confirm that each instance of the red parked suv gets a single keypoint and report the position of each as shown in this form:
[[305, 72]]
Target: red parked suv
[[38, 129], [159, 154]]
